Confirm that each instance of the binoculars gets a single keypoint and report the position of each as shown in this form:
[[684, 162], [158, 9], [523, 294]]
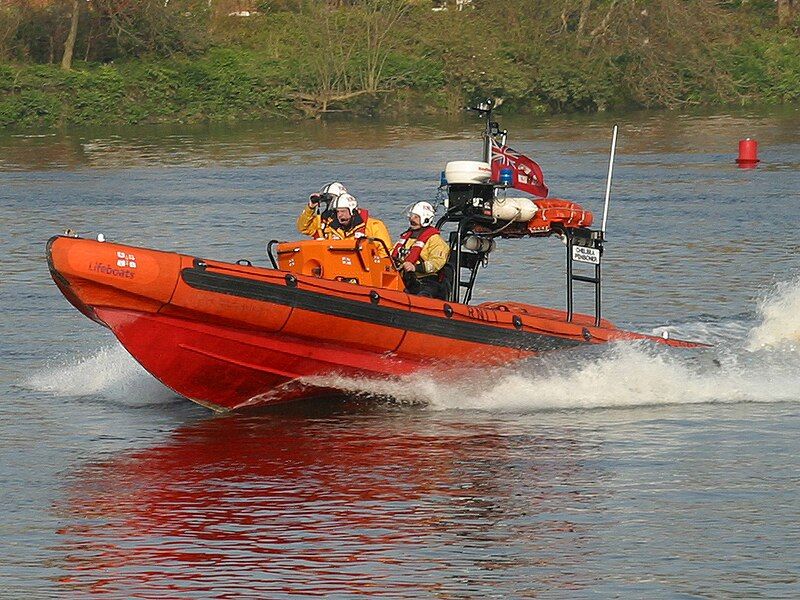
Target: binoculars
[[317, 198]]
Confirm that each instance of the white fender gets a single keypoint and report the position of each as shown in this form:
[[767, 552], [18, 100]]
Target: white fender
[[513, 209]]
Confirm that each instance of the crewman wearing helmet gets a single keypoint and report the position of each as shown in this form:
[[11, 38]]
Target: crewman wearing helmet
[[340, 218], [422, 254]]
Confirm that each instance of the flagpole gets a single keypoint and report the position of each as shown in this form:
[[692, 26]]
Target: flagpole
[[487, 135], [608, 180]]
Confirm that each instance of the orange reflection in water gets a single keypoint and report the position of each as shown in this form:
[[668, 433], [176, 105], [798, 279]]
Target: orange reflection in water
[[377, 504]]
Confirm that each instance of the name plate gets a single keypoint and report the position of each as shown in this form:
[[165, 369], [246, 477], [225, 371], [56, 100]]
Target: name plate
[[586, 255]]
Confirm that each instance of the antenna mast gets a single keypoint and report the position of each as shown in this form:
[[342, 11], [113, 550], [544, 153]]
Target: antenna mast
[[608, 180]]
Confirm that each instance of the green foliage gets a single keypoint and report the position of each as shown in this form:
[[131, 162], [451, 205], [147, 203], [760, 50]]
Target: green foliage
[[577, 85], [29, 108], [225, 84], [421, 73], [94, 96], [7, 78], [187, 61], [766, 68]]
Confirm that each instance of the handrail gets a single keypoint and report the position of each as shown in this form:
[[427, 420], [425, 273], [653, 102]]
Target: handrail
[[270, 244]]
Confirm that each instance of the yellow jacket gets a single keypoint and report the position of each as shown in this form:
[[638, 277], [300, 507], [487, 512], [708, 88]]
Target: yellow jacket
[[310, 223], [319, 227], [433, 256]]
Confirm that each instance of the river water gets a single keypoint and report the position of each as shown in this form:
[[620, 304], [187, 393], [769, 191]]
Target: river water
[[624, 471]]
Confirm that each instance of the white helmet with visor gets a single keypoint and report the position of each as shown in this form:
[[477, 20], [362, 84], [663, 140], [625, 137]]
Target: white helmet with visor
[[425, 212], [334, 189], [345, 200]]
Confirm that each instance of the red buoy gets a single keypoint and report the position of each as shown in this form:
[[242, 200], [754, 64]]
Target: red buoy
[[748, 153]]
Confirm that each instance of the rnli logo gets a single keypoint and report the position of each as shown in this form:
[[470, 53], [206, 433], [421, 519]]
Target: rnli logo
[[126, 260]]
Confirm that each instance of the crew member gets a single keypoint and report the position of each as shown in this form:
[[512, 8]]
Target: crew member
[[311, 221], [423, 253], [342, 219]]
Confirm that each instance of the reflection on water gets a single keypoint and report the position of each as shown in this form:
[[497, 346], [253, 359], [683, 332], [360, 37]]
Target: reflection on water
[[272, 143], [244, 144], [405, 503], [332, 505]]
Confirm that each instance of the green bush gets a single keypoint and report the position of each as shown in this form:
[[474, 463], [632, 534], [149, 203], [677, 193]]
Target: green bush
[[7, 78], [421, 73], [576, 86], [29, 108], [765, 68], [94, 96]]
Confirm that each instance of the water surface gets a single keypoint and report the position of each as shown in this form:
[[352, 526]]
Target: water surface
[[622, 471]]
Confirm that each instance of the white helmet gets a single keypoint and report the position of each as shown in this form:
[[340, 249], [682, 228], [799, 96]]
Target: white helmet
[[345, 200], [424, 211], [334, 189]]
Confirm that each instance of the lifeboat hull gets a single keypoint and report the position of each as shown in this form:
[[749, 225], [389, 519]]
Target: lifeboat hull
[[229, 336]]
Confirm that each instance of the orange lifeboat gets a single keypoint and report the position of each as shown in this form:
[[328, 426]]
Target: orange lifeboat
[[235, 335], [229, 336]]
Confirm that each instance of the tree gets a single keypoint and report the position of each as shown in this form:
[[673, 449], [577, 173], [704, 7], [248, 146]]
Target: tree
[[379, 20], [10, 19], [347, 50], [69, 45]]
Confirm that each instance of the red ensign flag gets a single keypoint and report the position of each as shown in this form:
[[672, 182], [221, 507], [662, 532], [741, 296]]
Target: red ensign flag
[[528, 175]]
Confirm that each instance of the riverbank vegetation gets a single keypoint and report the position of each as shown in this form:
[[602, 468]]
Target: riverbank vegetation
[[117, 61]]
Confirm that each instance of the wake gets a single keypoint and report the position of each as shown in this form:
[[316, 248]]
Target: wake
[[623, 375], [755, 361]]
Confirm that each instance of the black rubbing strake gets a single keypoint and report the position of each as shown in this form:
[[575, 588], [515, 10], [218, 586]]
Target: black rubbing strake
[[371, 313]]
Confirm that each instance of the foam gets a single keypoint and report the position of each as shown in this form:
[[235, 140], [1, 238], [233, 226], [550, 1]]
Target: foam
[[622, 375], [780, 314], [110, 372]]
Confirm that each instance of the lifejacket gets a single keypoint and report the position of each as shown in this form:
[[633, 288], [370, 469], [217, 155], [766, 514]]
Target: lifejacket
[[412, 254], [329, 220]]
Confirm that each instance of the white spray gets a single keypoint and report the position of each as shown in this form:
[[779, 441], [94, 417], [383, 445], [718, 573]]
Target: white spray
[[780, 318], [111, 373]]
